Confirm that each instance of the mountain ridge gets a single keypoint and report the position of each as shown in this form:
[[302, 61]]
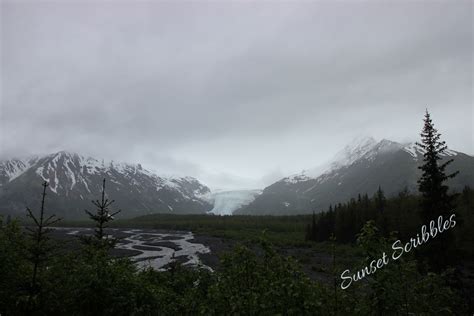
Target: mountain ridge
[[357, 169], [75, 179]]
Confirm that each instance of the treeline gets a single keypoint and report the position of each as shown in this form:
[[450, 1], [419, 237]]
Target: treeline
[[400, 215], [401, 218], [41, 278], [252, 280], [403, 215]]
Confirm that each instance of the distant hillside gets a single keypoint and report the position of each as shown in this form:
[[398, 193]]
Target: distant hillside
[[75, 180], [359, 168]]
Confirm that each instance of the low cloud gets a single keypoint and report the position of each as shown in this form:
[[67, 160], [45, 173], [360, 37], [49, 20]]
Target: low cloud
[[230, 92]]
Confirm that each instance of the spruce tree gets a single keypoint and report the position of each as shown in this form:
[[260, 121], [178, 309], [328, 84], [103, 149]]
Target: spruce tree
[[101, 217], [436, 200], [381, 217], [380, 200], [435, 197], [38, 252], [314, 231]]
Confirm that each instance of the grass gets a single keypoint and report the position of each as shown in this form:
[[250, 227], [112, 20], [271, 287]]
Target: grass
[[281, 231]]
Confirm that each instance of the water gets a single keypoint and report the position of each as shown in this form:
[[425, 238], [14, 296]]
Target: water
[[153, 248]]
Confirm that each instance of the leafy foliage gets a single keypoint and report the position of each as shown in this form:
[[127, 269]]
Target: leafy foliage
[[253, 279], [399, 288], [15, 268], [266, 284]]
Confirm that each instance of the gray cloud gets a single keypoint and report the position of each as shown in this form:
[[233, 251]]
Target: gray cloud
[[233, 93]]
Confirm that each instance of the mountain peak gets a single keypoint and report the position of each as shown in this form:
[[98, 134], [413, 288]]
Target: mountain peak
[[13, 168], [386, 145], [362, 166], [64, 153], [353, 151], [75, 179], [360, 141]]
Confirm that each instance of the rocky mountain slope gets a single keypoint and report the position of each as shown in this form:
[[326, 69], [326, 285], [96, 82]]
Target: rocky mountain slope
[[75, 180], [359, 168]]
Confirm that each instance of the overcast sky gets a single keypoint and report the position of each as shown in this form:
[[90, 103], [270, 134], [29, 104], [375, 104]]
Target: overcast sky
[[237, 94]]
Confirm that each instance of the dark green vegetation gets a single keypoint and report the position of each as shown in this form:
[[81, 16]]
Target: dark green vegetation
[[90, 282], [404, 214], [280, 230], [254, 278], [400, 215]]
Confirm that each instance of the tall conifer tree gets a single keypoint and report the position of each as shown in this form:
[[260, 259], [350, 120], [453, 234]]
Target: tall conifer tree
[[436, 200], [101, 217], [435, 197], [39, 250]]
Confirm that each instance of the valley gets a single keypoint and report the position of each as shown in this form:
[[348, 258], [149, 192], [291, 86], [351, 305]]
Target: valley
[[361, 167], [148, 248], [160, 248]]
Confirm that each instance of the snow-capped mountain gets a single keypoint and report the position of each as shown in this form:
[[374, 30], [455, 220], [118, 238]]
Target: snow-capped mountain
[[360, 167], [75, 180], [349, 154], [226, 202], [11, 169]]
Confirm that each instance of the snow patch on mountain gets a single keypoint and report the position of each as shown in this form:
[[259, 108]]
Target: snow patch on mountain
[[74, 179], [297, 178], [352, 152], [355, 150], [360, 148], [65, 170], [417, 152], [414, 150], [12, 169]]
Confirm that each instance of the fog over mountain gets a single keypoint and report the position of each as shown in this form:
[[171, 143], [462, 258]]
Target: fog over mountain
[[74, 180], [360, 168], [237, 95]]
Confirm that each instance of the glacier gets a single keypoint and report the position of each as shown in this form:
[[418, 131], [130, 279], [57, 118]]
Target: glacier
[[226, 202]]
